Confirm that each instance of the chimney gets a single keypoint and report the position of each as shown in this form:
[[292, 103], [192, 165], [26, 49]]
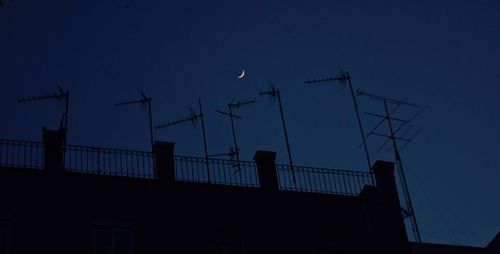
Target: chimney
[[266, 167], [383, 213], [54, 142], [386, 183], [165, 162]]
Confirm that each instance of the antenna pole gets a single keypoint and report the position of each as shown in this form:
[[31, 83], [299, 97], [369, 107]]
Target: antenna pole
[[359, 122], [237, 150], [286, 135], [406, 192], [343, 77], [150, 124], [407, 211], [232, 106], [204, 140], [193, 117], [67, 111]]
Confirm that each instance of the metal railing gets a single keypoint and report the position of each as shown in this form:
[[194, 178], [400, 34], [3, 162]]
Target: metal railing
[[321, 180], [21, 154], [108, 161], [226, 172], [141, 164]]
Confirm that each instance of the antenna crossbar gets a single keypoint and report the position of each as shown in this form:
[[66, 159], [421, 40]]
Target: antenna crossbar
[[132, 102], [411, 138], [59, 95], [241, 103], [193, 117], [383, 116], [342, 78], [228, 114], [388, 136], [186, 119], [386, 99], [271, 92], [41, 97]]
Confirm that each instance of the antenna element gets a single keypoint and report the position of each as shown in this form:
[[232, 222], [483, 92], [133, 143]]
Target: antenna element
[[344, 77], [143, 100], [407, 211], [59, 95], [235, 151], [272, 92]]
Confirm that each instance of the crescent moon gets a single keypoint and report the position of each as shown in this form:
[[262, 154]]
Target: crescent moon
[[242, 74]]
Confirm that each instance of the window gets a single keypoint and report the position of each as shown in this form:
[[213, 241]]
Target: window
[[329, 251], [330, 244], [227, 240], [5, 237], [227, 246], [113, 240]]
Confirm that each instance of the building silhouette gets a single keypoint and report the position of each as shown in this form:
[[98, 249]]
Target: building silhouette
[[60, 198]]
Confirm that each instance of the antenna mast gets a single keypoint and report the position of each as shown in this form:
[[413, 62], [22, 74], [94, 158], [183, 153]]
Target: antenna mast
[[59, 95], [233, 106], [407, 211], [144, 99], [193, 117], [275, 93], [344, 78]]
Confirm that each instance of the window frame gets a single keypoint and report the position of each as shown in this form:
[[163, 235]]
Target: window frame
[[113, 228], [232, 237]]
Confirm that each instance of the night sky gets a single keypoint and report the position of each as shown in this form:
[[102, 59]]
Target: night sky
[[444, 54]]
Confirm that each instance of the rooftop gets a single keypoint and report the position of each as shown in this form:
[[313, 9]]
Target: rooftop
[[33, 155]]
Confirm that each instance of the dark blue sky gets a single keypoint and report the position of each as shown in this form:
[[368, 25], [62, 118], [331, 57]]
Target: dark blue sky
[[445, 54]]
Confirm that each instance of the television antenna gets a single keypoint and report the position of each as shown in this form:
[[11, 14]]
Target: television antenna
[[235, 151], [143, 101], [405, 127], [59, 95], [193, 118], [231, 154], [274, 93], [408, 211], [344, 79]]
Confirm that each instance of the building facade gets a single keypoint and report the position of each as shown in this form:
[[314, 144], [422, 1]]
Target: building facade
[[58, 198]]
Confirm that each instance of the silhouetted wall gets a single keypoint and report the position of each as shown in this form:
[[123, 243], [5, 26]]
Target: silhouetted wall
[[54, 211]]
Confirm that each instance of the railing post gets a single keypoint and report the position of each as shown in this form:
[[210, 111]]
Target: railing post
[[54, 150], [266, 167], [165, 161]]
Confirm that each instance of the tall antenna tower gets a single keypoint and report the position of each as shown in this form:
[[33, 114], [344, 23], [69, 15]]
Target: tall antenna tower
[[193, 118], [59, 95], [234, 106], [143, 100], [344, 79], [274, 93], [407, 211]]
